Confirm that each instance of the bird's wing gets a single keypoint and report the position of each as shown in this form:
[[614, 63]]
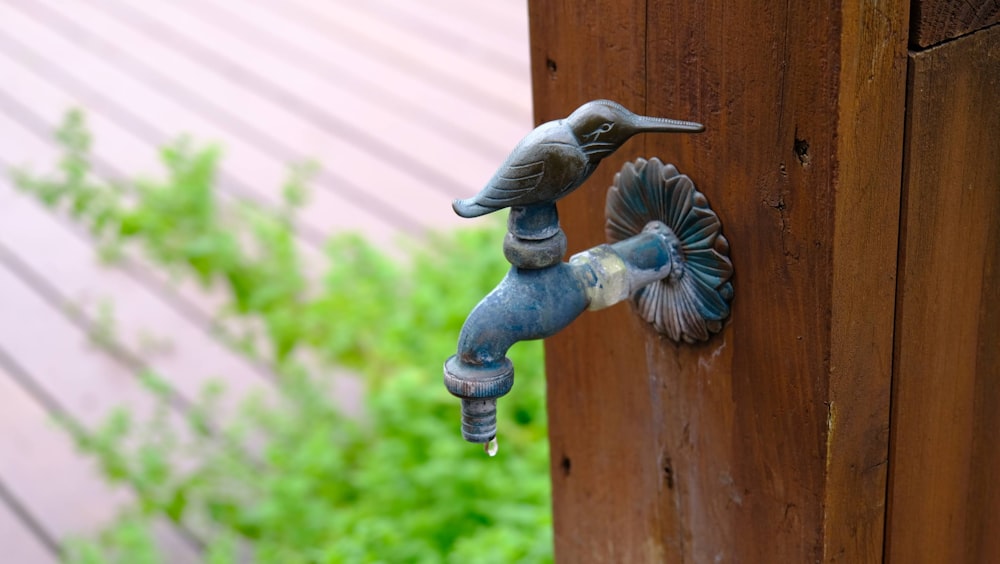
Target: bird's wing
[[524, 173], [511, 182]]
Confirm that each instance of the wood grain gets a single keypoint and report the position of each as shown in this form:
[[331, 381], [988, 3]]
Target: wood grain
[[934, 21], [944, 495], [769, 442]]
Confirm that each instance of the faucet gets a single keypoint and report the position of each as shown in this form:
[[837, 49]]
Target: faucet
[[541, 294], [539, 297]]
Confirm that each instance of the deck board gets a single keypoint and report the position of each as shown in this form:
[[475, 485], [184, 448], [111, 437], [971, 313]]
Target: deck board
[[485, 45], [75, 499], [508, 18], [425, 168], [451, 69], [22, 145], [403, 106], [418, 101], [52, 481], [153, 119], [143, 324], [366, 126], [21, 542], [378, 128], [420, 51], [59, 352]]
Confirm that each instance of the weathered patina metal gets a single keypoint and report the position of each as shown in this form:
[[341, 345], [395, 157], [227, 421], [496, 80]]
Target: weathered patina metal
[[691, 304], [534, 303], [557, 157], [541, 294]]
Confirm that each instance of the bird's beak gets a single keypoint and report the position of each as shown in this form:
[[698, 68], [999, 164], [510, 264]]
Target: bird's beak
[[644, 124]]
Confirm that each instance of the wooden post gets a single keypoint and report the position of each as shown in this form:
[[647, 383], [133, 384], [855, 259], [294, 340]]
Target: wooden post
[[769, 442]]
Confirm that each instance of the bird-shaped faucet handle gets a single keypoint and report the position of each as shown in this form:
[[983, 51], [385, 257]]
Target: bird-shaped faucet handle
[[558, 156]]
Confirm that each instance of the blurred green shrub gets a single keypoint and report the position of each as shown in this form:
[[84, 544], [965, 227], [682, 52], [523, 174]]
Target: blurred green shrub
[[291, 478]]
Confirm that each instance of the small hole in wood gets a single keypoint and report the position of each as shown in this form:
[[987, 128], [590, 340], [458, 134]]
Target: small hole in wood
[[668, 474], [566, 465], [551, 65], [801, 149]]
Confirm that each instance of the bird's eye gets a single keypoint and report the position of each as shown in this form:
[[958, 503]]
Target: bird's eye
[[606, 127]]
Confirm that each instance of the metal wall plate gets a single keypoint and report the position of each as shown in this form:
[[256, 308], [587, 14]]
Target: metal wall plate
[[692, 303]]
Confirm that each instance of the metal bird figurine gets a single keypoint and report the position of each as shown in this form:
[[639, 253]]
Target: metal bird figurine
[[558, 156]]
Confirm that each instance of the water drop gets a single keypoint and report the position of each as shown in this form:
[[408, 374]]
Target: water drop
[[491, 447]]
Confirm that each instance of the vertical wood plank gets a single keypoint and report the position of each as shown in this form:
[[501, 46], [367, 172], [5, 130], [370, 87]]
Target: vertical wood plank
[[744, 413], [944, 495], [866, 184], [767, 443]]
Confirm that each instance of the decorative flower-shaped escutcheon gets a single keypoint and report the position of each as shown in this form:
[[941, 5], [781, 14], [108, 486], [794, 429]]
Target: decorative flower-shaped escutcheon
[[691, 303]]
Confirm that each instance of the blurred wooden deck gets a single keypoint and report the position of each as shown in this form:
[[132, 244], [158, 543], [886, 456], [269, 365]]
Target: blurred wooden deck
[[404, 105]]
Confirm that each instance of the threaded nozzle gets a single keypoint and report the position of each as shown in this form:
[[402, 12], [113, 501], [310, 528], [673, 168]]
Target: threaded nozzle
[[479, 420]]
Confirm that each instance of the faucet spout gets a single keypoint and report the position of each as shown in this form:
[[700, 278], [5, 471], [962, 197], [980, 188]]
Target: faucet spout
[[528, 304], [539, 298]]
